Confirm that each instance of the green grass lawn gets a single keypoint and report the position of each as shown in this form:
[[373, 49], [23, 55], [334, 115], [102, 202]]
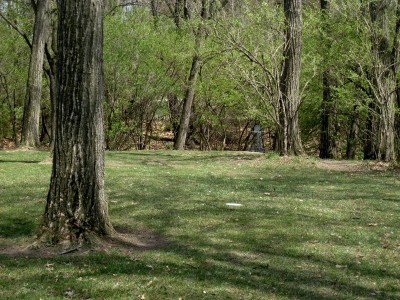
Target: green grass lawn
[[302, 232]]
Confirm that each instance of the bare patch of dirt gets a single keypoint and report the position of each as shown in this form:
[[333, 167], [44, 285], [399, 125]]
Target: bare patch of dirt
[[342, 166], [380, 166], [113, 163], [47, 161], [353, 166], [126, 241]]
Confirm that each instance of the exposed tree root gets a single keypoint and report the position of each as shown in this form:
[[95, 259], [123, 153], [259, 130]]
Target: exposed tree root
[[126, 241]]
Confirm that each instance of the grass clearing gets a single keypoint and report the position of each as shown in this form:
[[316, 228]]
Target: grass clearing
[[303, 231]]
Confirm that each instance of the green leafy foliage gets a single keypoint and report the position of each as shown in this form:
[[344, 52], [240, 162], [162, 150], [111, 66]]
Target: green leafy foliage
[[14, 62], [141, 60], [337, 42], [148, 59]]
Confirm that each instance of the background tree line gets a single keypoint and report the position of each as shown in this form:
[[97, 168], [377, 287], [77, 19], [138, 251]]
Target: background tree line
[[200, 74]]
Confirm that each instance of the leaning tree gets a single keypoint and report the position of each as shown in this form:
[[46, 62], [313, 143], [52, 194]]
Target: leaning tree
[[76, 206]]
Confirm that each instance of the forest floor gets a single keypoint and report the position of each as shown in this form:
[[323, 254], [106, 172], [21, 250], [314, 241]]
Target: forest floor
[[211, 225]]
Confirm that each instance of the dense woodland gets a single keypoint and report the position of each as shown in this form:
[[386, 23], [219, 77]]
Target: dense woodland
[[200, 74]]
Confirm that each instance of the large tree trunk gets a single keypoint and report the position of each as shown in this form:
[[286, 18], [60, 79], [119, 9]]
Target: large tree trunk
[[76, 206], [288, 135], [31, 117], [384, 78]]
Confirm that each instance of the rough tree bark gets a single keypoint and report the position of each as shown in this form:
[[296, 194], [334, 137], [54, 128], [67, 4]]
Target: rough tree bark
[[31, 117], [380, 139], [76, 208], [288, 134]]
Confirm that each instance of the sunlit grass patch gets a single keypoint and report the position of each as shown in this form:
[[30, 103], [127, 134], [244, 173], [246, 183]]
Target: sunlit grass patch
[[298, 231]]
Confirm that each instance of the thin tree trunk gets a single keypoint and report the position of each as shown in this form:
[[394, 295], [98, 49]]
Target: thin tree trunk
[[12, 105], [51, 72], [191, 83], [353, 133], [239, 144], [387, 147], [154, 11], [53, 103], [326, 135], [288, 135], [154, 8], [76, 206], [178, 12], [31, 117], [187, 104], [174, 112], [371, 139], [397, 122]]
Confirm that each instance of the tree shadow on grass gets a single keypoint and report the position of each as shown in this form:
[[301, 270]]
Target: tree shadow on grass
[[211, 269], [217, 264], [334, 281], [224, 267], [128, 240], [261, 266], [16, 227], [20, 161], [262, 269], [124, 240]]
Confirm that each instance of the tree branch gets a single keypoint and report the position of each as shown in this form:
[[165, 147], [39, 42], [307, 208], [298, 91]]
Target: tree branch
[[13, 26], [34, 5]]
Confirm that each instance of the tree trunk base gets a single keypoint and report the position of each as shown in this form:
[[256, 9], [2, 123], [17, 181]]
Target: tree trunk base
[[68, 243], [126, 241]]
